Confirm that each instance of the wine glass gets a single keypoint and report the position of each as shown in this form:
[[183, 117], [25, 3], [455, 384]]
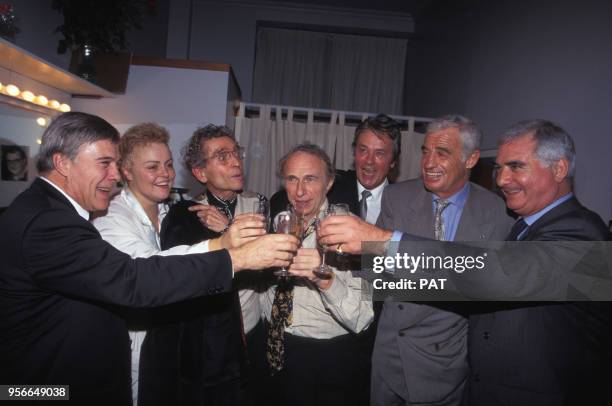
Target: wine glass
[[324, 271], [262, 207], [288, 222]]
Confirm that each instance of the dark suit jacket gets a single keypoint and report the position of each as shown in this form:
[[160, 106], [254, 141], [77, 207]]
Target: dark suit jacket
[[542, 353], [344, 190], [196, 344], [57, 279]]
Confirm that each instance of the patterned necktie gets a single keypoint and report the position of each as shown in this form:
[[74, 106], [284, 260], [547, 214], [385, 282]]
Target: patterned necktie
[[282, 316], [438, 220], [516, 230], [364, 204]]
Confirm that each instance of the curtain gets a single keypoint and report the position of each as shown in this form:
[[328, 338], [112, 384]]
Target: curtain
[[325, 70], [268, 137]]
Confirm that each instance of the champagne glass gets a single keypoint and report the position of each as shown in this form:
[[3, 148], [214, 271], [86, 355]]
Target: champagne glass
[[324, 271], [288, 222], [263, 207]]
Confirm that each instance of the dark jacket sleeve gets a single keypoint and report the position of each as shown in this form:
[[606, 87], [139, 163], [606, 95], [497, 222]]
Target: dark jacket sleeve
[[66, 254]]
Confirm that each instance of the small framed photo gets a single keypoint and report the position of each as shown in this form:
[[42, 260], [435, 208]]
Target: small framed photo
[[14, 162]]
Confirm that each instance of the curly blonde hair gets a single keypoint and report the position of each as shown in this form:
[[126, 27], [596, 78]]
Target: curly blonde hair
[[141, 135]]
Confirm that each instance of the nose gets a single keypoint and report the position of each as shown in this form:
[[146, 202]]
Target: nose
[[301, 190], [113, 172], [369, 158], [502, 176], [429, 160]]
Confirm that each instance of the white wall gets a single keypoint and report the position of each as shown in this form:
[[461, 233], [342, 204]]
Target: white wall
[[179, 99], [224, 31], [504, 61]]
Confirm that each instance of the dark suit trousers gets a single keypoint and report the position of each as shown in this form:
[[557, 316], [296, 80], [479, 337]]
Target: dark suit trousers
[[322, 372]]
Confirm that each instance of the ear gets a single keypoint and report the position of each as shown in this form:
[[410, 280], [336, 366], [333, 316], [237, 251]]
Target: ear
[[62, 164], [472, 159], [199, 174], [560, 170], [126, 172], [392, 164], [329, 185]]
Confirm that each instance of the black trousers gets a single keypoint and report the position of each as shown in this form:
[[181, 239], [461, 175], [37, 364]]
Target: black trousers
[[321, 372]]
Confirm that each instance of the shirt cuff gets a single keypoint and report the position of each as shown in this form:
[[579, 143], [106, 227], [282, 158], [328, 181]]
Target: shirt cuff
[[393, 248], [335, 293]]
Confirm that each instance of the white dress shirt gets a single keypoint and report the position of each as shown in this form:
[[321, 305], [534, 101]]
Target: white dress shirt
[[374, 201], [127, 227], [344, 307]]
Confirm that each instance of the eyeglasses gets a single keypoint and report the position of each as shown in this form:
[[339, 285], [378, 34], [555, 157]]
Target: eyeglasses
[[223, 157]]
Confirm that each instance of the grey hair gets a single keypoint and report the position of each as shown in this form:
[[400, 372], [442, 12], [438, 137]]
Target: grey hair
[[470, 134], [68, 132], [311, 149], [193, 156], [552, 142]]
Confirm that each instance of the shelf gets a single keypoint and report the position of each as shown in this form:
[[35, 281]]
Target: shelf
[[27, 64]]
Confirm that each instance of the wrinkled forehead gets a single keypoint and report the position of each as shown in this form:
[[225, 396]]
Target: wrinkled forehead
[[302, 164], [223, 143]]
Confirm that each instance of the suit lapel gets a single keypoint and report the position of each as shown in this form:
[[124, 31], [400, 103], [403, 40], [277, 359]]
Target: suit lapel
[[552, 216], [420, 209]]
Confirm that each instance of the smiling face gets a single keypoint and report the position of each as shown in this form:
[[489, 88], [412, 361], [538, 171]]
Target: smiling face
[[373, 158], [16, 163], [527, 184], [149, 173], [306, 183], [442, 167], [223, 179], [91, 176]]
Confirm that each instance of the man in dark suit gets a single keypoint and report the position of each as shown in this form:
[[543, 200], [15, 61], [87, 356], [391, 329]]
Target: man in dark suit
[[376, 148], [542, 353], [198, 360], [530, 353], [60, 279]]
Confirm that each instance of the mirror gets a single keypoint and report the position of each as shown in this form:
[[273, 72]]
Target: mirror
[[20, 133]]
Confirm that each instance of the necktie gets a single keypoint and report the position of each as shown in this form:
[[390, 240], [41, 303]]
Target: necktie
[[516, 230], [438, 220], [281, 317], [364, 204]]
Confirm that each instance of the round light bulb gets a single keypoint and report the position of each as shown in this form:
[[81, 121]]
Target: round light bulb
[[55, 104], [64, 108], [39, 141], [28, 96], [42, 100], [13, 90], [41, 121]]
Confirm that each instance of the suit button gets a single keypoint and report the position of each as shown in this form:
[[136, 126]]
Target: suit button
[[401, 333], [400, 306], [486, 335]]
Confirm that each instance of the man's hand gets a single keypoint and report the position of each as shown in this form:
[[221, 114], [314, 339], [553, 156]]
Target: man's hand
[[347, 232], [268, 251], [245, 227], [306, 260], [210, 217]]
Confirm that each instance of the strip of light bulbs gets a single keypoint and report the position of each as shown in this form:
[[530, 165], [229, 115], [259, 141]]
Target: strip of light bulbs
[[41, 100]]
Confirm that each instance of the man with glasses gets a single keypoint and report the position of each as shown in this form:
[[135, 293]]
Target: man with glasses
[[210, 343]]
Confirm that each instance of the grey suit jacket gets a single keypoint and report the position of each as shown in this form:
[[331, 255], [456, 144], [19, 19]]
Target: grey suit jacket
[[420, 350]]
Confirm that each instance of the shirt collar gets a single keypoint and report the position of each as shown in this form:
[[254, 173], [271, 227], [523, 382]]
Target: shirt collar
[[135, 205], [459, 198], [536, 216], [376, 192], [80, 210]]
